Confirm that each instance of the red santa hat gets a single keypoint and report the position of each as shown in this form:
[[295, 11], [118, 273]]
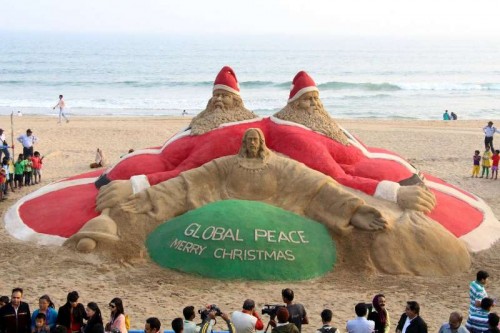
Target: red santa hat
[[302, 83], [226, 80]]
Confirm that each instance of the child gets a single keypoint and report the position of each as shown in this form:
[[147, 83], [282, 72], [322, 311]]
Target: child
[[5, 166], [28, 168], [486, 162], [11, 174], [40, 324], [494, 167], [37, 162], [476, 159], [3, 183], [19, 171]]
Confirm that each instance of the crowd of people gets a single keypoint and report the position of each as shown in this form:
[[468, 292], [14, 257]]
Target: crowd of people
[[26, 170], [74, 317], [490, 157]]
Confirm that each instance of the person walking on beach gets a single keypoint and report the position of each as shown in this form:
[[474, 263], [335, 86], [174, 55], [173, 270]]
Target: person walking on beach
[[486, 162], [489, 130], [446, 115], [61, 105], [476, 160]]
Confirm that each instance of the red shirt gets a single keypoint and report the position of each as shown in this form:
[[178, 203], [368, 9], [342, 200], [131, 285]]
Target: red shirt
[[495, 159], [36, 162]]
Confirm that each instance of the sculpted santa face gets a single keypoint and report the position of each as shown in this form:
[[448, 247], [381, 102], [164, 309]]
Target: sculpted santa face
[[309, 102], [222, 100]]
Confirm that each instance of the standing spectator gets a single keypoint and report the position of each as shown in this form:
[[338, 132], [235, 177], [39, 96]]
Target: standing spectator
[[46, 307], [72, 314], [15, 316], [476, 162], [4, 300], [454, 324], [360, 324], [117, 317], [446, 115], [3, 183], [62, 106], [28, 171], [326, 319], [3, 143], [489, 130], [94, 323], [410, 321], [380, 315], [28, 140], [189, 324], [247, 320], [19, 171], [477, 291], [494, 164], [37, 163], [486, 163], [493, 323], [298, 314], [177, 325], [152, 325], [283, 326], [478, 322], [5, 166]]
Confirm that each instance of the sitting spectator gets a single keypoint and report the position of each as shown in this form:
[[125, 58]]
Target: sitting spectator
[[99, 160], [283, 326], [177, 325], [379, 315], [454, 324], [247, 320], [360, 324], [298, 314], [410, 321], [46, 307], [94, 323], [152, 325], [478, 321], [72, 314], [189, 324], [117, 317], [326, 318], [493, 323], [4, 300], [40, 324]]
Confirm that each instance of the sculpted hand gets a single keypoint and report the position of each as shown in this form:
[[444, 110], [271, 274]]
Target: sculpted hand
[[416, 197], [368, 218], [113, 193], [138, 203]]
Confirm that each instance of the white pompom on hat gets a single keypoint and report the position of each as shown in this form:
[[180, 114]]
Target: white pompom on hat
[[302, 83], [226, 80]]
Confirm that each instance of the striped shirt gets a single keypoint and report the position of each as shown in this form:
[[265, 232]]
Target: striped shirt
[[476, 293], [478, 322]]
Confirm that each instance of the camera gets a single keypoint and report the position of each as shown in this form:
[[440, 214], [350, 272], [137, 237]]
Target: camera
[[209, 308], [369, 307], [271, 309]]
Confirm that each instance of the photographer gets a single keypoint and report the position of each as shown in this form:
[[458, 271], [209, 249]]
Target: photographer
[[297, 312], [283, 326], [189, 314], [247, 320], [206, 326]]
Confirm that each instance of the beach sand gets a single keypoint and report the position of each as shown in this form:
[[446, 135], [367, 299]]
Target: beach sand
[[443, 149]]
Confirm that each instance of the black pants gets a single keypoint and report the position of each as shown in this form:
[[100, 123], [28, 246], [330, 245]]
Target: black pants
[[27, 151], [488, 142]]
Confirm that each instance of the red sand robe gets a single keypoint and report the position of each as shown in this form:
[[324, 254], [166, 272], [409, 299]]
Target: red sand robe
[[53, 213]]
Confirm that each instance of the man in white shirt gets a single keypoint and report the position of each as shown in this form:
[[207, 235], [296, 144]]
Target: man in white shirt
[[27, 140], [62, 106], [489, 130], [247, 320], [360, 324]]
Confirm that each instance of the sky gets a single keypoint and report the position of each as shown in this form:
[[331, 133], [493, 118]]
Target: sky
[[447, 18]]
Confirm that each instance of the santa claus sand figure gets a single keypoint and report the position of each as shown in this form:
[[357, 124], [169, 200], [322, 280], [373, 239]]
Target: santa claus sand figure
[[314, 139]]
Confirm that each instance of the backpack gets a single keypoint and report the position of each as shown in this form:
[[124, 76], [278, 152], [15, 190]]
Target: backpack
[[127, 322]]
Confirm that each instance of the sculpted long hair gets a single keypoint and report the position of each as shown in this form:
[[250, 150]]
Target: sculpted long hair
[[263, 152]]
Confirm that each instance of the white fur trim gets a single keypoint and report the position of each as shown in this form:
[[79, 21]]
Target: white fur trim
[[139, 183], [387, 190], [224, 87], [16, 227], [302, 92]]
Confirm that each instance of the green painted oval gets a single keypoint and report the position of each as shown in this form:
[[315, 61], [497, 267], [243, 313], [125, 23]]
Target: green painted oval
[[238, 239]]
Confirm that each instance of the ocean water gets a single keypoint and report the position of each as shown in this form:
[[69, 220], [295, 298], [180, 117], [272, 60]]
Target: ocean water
[[163, 75]]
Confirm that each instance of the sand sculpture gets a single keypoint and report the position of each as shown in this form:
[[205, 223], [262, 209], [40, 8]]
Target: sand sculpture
[[420, 209]]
